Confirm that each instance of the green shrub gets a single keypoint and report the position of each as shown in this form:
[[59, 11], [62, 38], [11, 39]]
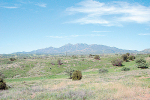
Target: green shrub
[[12, 59], [77, 75], [3, 85], [125, 57], [149, 55], [125, 69], [117, 62], [103, 70], [97, 57], [140, 60], [128, 54], [141, 63], [131, 57]]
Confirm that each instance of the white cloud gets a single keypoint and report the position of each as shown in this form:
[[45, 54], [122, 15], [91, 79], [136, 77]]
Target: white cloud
[[9, 7], [109, 14], [101, 31], [74, 36], [41, 4], [144, 34]]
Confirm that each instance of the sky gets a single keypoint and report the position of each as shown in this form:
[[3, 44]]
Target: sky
[[27, 25]]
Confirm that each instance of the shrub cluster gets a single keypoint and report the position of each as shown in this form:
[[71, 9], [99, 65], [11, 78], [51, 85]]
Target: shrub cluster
[[97, 57], [12, 59], [131, 57], [141, 63], [77, 75], [117, 62], [125, 69], [125, 57]]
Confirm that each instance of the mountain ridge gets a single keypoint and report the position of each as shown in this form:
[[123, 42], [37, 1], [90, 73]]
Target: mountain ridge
[[80, 48]]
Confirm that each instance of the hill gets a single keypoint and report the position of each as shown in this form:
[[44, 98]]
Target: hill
[[79, 48], [145, 51]]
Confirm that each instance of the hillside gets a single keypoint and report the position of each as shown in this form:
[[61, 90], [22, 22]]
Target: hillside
[[145, 51], [79, 48]]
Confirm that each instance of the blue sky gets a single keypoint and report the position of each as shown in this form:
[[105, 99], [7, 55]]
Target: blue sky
[[27, 25]]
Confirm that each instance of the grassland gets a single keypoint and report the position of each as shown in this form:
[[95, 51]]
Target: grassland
[[40, 77]]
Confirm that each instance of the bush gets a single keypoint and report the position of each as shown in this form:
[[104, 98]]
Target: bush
[[77, 75], [103, 70], [140, 60], [97, 57], [149, 55], [141, 63], [3, 85], [117, 62], [125, 57], [69, 72], [12, 59], [125, 69], [131, 57], [128, 54]]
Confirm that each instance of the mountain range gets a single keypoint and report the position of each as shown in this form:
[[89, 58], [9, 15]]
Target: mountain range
[[82, 48]]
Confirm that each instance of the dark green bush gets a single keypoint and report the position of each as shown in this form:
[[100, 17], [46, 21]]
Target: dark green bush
[[3, 85], [77, 75], [117, 62], [97, 57], [141, 63], [12, 59], [125, 69], [125, 57], [103, 70], [149, 55], [131, 57]]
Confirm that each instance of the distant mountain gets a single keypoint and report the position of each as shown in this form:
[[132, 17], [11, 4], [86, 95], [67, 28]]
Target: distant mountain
[[145, 51], [79, 48]]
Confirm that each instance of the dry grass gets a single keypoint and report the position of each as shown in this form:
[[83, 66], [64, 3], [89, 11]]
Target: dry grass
[[117, 86]]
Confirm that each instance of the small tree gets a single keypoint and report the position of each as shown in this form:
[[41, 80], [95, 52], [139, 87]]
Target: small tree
[[128, 54], [125, 57], [77, 75], [117, 62], [131, 57], [12, 59], [3, 85], [141, 63]]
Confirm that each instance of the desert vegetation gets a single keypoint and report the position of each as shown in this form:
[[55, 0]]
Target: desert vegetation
[[70, 77]]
